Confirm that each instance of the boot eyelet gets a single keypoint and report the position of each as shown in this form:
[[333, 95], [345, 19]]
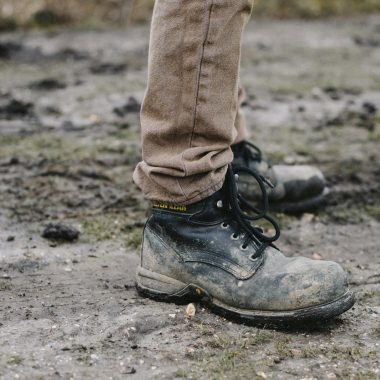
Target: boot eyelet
[[253, 258], [235, 236], [244, 247], [224, 225], [219, 204]]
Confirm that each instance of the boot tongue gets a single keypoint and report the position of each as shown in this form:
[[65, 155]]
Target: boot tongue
[[212, 210]]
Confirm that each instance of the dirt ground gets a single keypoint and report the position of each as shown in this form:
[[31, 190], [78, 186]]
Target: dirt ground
[[69, 140]]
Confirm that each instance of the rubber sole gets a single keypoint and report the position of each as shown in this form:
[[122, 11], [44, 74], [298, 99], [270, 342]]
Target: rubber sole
[[183, 294], [304, 205], [287, 207]]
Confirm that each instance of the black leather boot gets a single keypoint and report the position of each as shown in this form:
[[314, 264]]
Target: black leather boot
[[210, 251], [296, 188]]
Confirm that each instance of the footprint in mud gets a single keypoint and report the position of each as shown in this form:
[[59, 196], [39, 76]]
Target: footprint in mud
[[69, 54], [47, 84], [370, 41], [359, 115], [9, 49], [15, 109], [108, 68], [15, 51]]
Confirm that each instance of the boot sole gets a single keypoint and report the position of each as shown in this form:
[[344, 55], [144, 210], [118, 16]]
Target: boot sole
[[152, 285], [304, 205]]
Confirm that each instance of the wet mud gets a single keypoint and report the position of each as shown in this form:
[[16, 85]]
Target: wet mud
[[69, 140]]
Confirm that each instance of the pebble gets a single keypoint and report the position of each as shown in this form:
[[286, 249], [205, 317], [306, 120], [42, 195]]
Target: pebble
[[261, 375], [128, 370], [190, 310], [60, 231]]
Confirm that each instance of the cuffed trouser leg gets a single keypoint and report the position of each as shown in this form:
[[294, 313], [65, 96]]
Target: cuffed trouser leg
[[190, 106]]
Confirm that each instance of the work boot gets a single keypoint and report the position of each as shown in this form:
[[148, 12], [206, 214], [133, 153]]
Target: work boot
[[209, 251], [295, 189]]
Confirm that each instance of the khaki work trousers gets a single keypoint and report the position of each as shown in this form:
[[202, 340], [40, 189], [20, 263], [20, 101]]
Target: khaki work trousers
[[190, 115]]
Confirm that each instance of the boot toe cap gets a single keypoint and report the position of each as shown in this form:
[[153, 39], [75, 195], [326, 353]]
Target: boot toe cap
[[288, 284], [297, 182], [319, 282]]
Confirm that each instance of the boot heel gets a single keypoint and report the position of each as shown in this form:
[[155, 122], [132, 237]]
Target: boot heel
[[162, 288]]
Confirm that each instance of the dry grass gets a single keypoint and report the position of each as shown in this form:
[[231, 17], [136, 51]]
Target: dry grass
[[96, 12]]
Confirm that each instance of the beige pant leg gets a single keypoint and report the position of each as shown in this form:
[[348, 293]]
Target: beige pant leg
[[190, 106]]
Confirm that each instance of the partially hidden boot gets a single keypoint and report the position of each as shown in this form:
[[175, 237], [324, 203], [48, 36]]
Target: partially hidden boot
[[209, 251], [296, 188]]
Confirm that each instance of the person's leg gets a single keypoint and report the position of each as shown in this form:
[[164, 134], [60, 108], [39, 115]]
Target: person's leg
[[199, 243], [190, 104]]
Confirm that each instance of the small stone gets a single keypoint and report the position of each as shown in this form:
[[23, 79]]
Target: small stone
[[10, 238], [128, 370], [307, 218], [317, 256], [190, 310], [289, 160], [331, 375], [317, 93], [261, 375], [172, 315]]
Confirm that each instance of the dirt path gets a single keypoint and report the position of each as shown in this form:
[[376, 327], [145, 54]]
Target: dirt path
[[69, 134]]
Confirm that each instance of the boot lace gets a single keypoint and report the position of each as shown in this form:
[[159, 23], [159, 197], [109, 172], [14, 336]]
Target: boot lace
[[240, 207], [250, 151]]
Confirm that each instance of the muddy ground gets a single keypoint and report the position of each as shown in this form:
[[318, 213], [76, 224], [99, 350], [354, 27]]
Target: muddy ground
[[69, 140]]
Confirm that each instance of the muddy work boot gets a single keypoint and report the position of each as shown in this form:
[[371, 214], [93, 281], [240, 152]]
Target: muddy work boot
[[296, 189], [210, 252]]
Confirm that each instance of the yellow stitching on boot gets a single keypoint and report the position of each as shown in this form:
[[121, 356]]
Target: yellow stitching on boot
[[171, 207]]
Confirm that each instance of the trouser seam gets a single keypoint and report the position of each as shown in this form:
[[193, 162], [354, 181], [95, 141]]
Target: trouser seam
[[200, 72], [179, 185]]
